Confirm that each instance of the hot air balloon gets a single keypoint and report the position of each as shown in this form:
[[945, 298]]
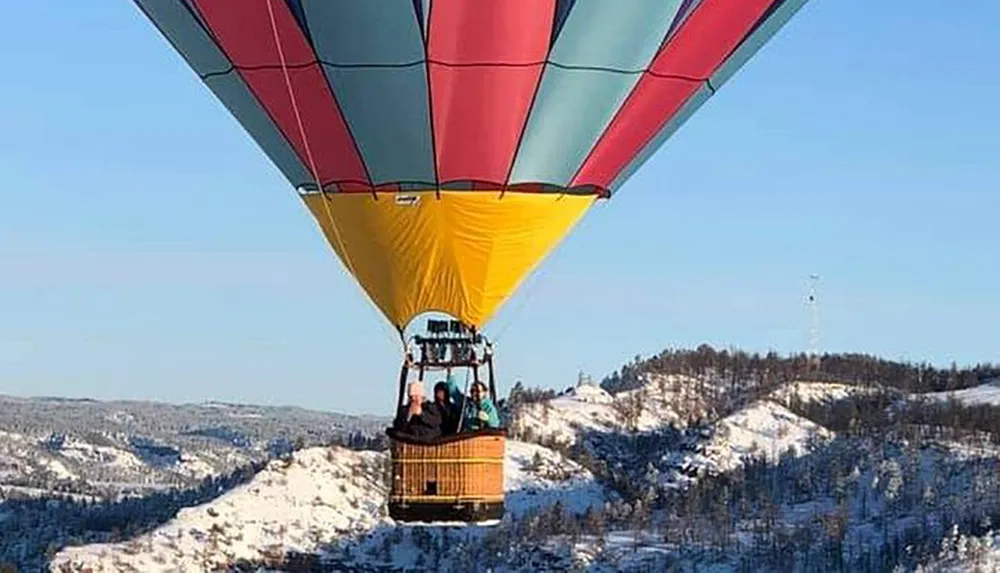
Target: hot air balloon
[[445, 147]]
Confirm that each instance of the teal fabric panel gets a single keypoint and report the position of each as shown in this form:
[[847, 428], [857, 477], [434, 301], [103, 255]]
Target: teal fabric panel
[[621, 35], [372, 54], [757, 39], [187, 35], [231, 90], [386, 110], [571, 111], [383, 32], [185, 32], [612, 42]]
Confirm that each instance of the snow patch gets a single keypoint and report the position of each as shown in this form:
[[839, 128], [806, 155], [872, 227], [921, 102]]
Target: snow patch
[[811, 392], [84, 452], [538, 477], [57, 468], [663, 400], [763, 428], [320, 495], [984, 394]]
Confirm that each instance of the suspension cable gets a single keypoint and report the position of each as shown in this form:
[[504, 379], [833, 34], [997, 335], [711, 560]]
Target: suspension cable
[[312, 162]]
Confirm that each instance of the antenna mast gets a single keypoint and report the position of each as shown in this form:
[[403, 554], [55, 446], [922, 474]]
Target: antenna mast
[[814, 326]]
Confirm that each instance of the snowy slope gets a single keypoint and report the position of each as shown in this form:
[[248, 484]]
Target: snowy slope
[[818, 391], [764, 428], [33, 466], [327, 505], [985, 394], [323, 496], [661, 401], [561, 419], [121, 448], [538, 477], [960, 553], [21, 458]]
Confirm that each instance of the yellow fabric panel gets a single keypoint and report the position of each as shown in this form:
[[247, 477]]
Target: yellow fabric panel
[[463, 254]]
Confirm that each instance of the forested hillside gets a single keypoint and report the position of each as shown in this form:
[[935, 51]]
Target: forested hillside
[[768, 371], [697, 459]]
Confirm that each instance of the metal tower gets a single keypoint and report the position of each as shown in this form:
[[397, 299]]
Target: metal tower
[[813, 302]]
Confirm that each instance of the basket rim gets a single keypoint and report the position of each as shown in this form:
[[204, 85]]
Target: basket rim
[[398, 436]]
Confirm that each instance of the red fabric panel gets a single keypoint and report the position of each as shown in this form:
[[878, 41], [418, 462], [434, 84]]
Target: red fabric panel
[[704, 41], [246, 36], [479, 110]]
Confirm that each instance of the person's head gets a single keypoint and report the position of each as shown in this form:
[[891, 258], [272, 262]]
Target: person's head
[[416, 391], [441, 394], [477, 392]]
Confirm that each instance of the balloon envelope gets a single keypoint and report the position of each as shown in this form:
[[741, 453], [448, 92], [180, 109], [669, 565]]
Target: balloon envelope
[[446, 146]]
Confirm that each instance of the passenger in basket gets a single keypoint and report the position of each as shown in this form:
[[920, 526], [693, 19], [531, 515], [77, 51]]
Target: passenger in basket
[[450, 408], [420, 418], [480, 412]]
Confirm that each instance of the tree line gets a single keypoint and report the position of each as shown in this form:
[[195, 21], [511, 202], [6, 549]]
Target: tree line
[[771, 369]]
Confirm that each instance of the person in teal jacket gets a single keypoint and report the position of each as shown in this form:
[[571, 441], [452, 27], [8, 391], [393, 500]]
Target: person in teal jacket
[[479, 411]]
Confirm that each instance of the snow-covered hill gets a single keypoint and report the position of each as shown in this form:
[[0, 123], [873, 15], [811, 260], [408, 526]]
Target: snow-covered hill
[[670, 403], [763, 429], [326, 506], [661, 401], [322, 496], [298, 506], [328, 503], [651, 478], [536, 477], [988, 393], [818, 391], [105, 450], [76, 465]]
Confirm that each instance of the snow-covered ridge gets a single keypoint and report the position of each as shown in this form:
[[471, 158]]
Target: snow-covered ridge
[[960, 553], [327, 503], [674, 400], [109, 450], [661, 401], [984, 394], [762, 429], [323, 495], [818, 392], [298, 506], [537, 477]]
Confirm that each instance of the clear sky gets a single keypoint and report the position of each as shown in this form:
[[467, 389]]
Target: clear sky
[[148, 249]]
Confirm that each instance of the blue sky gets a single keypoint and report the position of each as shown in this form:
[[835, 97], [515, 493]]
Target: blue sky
[[149, 250]]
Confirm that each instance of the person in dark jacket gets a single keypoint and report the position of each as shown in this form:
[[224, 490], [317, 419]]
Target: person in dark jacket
[[419, 418], [450, 409]]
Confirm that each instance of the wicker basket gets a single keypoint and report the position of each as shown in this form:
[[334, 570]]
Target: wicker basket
[[463, 473]]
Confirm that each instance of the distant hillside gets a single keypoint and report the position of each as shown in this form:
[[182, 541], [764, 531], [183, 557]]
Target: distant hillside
[[254, 422], [692, 460], [104, 450], [771, 370], [813, 476]]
